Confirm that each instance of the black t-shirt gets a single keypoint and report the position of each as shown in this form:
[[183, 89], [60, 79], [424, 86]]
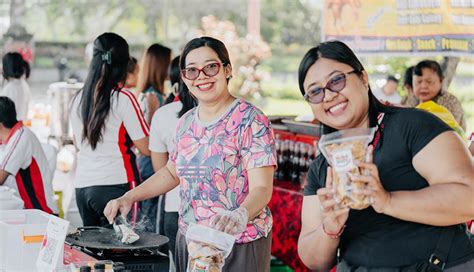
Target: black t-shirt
[[378, 240]]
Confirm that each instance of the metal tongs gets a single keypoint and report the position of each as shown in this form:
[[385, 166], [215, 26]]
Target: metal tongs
[[124, 231]]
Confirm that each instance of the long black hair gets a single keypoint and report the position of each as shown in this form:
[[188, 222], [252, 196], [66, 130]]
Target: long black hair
[[408, 78], [175, 77], [107, 71], [7, 112], [340, 52], [185, 97], [154, 68], [14, 66], [132, 64], [216, 45]]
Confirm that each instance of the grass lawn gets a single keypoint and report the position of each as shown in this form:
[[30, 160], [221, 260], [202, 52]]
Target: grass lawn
[[277, 106]]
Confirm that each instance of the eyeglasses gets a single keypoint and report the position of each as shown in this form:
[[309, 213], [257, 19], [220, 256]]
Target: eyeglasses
[[335, 84], [209, 70]]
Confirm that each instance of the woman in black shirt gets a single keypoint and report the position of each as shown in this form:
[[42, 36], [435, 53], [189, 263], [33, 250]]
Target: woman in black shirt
[[421, 178]]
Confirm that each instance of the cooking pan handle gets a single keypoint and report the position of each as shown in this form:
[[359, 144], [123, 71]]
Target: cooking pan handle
[[88, 228]]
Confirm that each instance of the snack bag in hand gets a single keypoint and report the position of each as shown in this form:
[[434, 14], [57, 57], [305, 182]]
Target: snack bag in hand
[[207, 248], [342, 149]]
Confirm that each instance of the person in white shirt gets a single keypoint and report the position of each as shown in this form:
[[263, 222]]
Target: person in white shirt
[[162, 132], [389, 92], [153, 73], [24, 159], [107, 122], [15, 71]]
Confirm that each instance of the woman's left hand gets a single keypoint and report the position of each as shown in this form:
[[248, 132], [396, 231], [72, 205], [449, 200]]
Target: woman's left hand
[[379, 197], [231, 222]]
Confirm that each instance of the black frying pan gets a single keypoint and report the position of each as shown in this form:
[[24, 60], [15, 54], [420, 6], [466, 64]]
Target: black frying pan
[[103, 238]]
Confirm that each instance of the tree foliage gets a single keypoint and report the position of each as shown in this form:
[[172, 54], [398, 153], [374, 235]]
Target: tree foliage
[[282, 21], [245, 52], [290, 21]]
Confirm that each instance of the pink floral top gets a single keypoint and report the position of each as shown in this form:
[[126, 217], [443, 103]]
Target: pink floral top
[[212, 161]]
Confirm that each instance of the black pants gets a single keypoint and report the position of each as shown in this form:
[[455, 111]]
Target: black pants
[[345, 267], [92, 200], [171, 228]]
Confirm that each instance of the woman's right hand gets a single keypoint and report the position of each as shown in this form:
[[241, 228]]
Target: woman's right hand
[[333, 216], [122, 204]]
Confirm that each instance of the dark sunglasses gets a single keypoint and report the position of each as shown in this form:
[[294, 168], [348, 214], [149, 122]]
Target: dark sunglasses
[[335, 84], [209, 70]]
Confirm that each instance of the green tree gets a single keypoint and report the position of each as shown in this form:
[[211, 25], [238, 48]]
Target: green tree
[[288, 22]]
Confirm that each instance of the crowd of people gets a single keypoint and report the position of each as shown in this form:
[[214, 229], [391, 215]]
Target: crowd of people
[[213, 156]]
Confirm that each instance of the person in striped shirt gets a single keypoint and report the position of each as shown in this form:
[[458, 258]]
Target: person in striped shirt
[[24, 158], [107, 122]]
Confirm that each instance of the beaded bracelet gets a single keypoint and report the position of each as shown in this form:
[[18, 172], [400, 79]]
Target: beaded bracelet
[[334, 235]]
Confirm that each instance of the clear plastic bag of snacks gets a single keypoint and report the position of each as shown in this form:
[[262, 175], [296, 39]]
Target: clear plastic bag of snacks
[[341, 149], [207, 248]]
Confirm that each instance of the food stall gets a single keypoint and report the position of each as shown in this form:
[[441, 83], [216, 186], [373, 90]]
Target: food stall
[[296, 148], [24, 235]]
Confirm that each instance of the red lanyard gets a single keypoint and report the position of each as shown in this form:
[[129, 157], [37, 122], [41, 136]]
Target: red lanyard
[[380, 127]]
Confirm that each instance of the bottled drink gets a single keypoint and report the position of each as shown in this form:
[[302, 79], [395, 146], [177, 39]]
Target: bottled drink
[[286, 160], [85, 268], [303, 163], [99, 267], [295, 164], [282, 160], [277, 174]]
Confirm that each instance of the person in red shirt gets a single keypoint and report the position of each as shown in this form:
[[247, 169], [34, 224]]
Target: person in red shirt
[[107, 123], [24, 158]]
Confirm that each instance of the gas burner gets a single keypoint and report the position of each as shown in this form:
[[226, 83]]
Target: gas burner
[[101, 244], [140, 260]]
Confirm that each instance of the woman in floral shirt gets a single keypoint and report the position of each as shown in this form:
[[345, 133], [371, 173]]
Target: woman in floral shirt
[[428, 85], [224, 162]]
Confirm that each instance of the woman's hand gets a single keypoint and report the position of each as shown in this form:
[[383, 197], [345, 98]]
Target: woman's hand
[[122, 204], [231, 222], [379, 197], [333, 215]]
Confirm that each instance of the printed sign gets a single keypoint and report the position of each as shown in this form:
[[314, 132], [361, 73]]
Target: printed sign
[[50, 255], [401, 26]]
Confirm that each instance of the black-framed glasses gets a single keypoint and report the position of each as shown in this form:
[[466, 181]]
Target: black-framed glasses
[[209, 70], [335, 84]]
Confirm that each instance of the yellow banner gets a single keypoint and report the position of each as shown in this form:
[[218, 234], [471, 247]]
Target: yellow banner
[[401, 25]]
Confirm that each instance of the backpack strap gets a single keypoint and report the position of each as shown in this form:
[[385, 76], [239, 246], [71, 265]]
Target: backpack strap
[[439, 257]]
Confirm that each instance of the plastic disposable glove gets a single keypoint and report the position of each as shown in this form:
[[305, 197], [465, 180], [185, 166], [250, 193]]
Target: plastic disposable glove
[[231, 222]]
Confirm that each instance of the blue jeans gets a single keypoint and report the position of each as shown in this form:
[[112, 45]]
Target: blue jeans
[[148, 208], [145, 167]]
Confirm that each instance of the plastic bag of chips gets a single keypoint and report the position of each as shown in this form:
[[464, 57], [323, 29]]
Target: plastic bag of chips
[[342, 149], [207, 248]]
